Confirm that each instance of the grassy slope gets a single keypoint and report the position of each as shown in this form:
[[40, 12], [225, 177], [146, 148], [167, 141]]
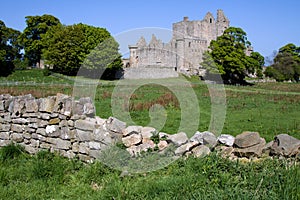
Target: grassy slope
[[46, 176]]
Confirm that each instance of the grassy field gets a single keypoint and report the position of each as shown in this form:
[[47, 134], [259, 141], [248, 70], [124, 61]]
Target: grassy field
[[269, 108], [47, 176]]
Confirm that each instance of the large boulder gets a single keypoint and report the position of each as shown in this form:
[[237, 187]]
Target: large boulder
[[285, 145], [247, 139]]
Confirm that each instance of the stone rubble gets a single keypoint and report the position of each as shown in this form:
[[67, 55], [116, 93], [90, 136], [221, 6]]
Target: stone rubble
[[69, 127]]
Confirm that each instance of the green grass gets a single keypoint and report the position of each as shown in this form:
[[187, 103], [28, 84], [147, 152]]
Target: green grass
[[48, 176], [268, 108], [258, 108], [33, 76]]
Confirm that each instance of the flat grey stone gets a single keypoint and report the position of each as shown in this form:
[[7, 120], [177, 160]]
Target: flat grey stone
[[247, 139], [178, 139], [285, 145], [227, 140]]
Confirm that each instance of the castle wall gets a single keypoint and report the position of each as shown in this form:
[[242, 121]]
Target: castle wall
[[184, 52]]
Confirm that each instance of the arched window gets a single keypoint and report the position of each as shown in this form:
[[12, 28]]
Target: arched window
[[210, 20]]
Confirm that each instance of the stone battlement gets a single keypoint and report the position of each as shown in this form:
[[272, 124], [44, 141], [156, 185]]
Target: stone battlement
[[184, 52]]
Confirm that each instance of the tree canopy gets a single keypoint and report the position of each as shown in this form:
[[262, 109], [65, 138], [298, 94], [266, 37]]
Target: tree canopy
[[9, 48], [228, 56], [80, 45], [31, 37], [286, 65]]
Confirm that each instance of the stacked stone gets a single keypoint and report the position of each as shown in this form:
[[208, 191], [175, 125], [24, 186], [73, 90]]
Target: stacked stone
[[68, 126], [245, 146], [57, 123]]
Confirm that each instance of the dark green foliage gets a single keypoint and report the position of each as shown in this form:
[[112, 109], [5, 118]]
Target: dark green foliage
[[229, 59], [273, 73], [6, 68], [31, 38], [155, 137], [46, 165], [46, 71], [286, 65], [11, 152], [71, 47], [9, 49], [35, 76], [21, 64]]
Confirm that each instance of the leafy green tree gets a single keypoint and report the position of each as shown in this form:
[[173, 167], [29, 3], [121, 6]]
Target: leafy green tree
[[9, 48], [286, 66], [104, 60], [229, 58], [273, 73], [31, 37], [69, 46]]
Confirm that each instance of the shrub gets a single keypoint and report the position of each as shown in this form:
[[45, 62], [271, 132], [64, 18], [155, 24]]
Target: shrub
[[46, 71]]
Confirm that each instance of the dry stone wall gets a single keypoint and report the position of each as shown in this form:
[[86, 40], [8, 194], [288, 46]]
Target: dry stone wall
[[57, 123], [68, 126]]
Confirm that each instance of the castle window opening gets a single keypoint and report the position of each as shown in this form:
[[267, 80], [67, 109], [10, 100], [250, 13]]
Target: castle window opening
[[210, 20], [190, 44]]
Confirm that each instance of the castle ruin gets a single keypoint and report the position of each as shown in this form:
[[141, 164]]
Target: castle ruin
[[184, 52]]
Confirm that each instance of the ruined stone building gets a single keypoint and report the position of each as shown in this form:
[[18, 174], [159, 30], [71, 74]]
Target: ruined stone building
[[185, 50]]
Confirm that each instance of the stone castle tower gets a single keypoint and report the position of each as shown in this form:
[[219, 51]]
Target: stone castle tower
[[185, 50]]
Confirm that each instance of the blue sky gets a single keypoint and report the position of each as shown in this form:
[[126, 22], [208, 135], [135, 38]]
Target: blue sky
[[269, 24]]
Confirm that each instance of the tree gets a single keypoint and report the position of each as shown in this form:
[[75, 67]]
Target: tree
[[228, 54], [104, 60], [31, 37], [69, 46], [286, 64], [9, 49]]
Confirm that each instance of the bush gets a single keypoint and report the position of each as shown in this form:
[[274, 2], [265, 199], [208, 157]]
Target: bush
[[46, 72], [6, 68], [21, 64]]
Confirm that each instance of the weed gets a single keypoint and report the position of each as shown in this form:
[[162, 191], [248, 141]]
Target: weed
[[11, 152]]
